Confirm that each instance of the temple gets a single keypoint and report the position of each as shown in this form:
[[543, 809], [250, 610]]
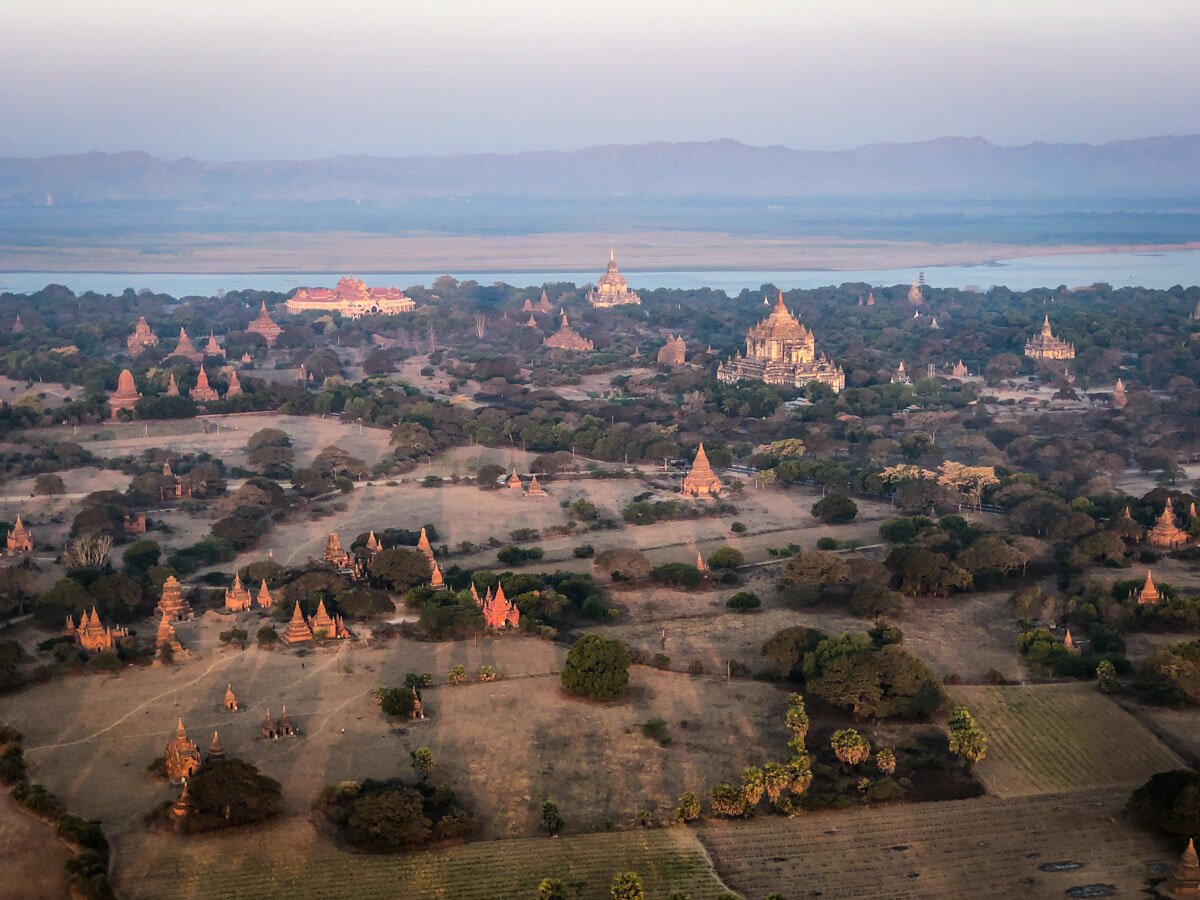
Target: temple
[[264, 326], [182, 756], [779, 350], [186, 349], [567, 338], [701, 480], [326, 627], [673, 352], [611, 288], [1149, 594], [543, 305], [203, 392], [19, 539], [237, 598], [351, 298], [497, 610], [959, 370], [297, 631], [535, 489], [235, 385], [1044, 345], [172, 604], [1118, 399], [126, 396], [900, 376], [265, 600], [335, 554], [424, 547], [215, 750], [172, 387], [92, 635], [142, 338], [916, 292], [1166, 533], [1184, 880], [231, 700], [213, 348], [166, 636]]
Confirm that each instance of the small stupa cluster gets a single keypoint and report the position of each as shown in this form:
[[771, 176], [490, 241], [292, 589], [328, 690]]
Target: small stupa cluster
[[534, 489], [543, 306], [239, 599], [302, 630]]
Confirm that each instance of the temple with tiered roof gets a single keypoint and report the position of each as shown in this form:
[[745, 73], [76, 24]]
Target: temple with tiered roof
[[186, 349], [264, 326], [611, 288], [172, 603], [92, 634], [1165, 533], [567, 338], [779, 350], [498, 611], [1149, 594], [237, 597], [182, 756], [297, 631], [19, 538], [1044, 345], [142, 338], [204, 392], [213, 347], [701, 480], [351, 298]]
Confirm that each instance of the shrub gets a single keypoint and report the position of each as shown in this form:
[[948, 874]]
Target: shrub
[[738, 528], [1169, 802], [743, 601], [833, 509], [597, 667], [850, 747], [966, 738], [627, 886], [688, 808], [512, 555], [267, 636], [726, 558], [397, 701], [656, 730], [552, 820], [727, 801], [827, 543], [585, 551], [552, 889], [678, 574]]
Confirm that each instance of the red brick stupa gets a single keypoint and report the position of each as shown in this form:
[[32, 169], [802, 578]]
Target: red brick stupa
[[701, 481], [567, 338], [203, 392], [1184, 880], [125, 396], [297, 631], [264, 327], [172, 602], [213, 347], [235, 386], [1166, 533], [187, 349], [142, 338], [172, 387]]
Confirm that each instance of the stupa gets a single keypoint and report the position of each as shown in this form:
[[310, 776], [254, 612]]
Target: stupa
[[264, 327], [1149, 594], [1044, 345], [166, 636], [424, 547], [126, 396], [901, 375], [237, 598], [514, 482], [18, 326], [264, 598], [535, 489], [673, 352], [436, 580], [1166, 533], [780, 350], [297, 631], [142, 338], [567, 338], [186, 348], [215, 750], [231, 700], [203, 392], [544, 305], [1118, 399], [172, 603], [611, 288], [916, 293], [19, 539], [1184, 880], [235, 385], [213, 348], [335, 554], [172, 387], [701, 481], [182, 757]]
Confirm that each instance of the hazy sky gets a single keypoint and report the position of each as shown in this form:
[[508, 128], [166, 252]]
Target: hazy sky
[[270, 79]]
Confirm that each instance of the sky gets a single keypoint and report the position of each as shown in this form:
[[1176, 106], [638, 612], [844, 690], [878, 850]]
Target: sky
[[304, 79]]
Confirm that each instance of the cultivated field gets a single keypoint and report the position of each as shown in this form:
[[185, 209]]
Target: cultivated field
[[1060, 737], [984, 847], [290, 859], [32, 856]]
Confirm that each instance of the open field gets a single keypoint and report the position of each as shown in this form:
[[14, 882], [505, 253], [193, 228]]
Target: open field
[[1060, 737], [984, 847], [32, 856], [290, 859]]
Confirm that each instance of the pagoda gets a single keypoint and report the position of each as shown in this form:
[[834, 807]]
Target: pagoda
[[535, 489], [916, 293], [436, 580], [567, 338], [870, 298], [673, 352], [498, 611], [172, 387], [182, 757], [701, 565], [237, 598], [1118, 399], [166, 636], [172, 604], [18, 326], [323, 625], [544, 305], [125, 396], [901, 375], [514, 481], [779, 350], [424, 547], [959, 370], [92, 635], [335, 554], [213, 348], [373, 544], [19, 539], [264, 327], [215, 750], [701, 480], [142, 338], [528, 307], [1166, 533], [1184, 880], [1045, 345], [235, 385], [611, 288], [264, 598], [351, 298], [1149, 594], [269, 732], [297, 631], [231, 700], [186, 349], [1069, 643], [284, 727], [531, 322], [203, 392]]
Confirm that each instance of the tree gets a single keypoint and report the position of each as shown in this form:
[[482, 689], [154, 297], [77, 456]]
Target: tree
[[48, 484], [400, 569], [814, 569], [726, 558], [422, 760], [551, 889], [753, 784], [921, 571], [688, 808], [552, 820], [398, 701], [627, 886], [1169, 802], [488, 477], [885, 761], [267, 636], [458, 674], [875, 683], [1106, 677], [787, 649], [390, 818], [597, 667], [796, 720], [141, 556], [850, 747], [228, 792], [727, 801], [966, 739], [835, 509]]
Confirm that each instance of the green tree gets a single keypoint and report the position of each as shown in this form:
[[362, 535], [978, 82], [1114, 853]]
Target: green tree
[[597, 667], [753, 784], [400, 569], [727, 801], [551, 889], [796, 720], [688, 808], [885, 760], [422, 760], [834, 509], [228, 792], [458, 674], [726, 558], [1169, 802], [390, 818], [627, 886], [966, 738], [850, 747], [141, 556], [552, 819], [1106, 677]]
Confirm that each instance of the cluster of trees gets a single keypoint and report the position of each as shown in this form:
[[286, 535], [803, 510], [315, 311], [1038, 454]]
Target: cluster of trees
[[394, 815]]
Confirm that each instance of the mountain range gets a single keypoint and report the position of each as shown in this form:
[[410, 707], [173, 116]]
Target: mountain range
[[946, 168]]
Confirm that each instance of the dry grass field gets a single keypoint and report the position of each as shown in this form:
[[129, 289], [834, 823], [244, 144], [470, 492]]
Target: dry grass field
[[290, 859], [31, 857], [1060, 737], [984, 847]]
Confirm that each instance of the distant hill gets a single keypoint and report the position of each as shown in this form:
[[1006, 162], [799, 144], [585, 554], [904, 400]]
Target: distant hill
[[947, 168]]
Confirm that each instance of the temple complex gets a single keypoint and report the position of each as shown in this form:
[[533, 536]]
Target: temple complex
[[182, 756], [186, 349], [567, 338], [1118, 399], [351, 298], [611, 288], [172, 604], [203, 392], [497, 610], [701, 480], [235, 385], [19, 539], [779, 350], [1149, 594], [297, 631], [264, 327], [125, 396], [231, 700], [673, 352], [92, 635], [1184, 880], [142, 338], [1166, 533], [1044, 345], [237, 598], [543, 305], [213, 348], [265, 600]]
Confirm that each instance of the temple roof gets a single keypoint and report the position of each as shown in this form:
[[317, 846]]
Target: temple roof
[[779, 325]]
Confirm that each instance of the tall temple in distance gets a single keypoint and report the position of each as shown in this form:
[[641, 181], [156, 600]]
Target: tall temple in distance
[[352, 299], [1044, 345], [611, 288], [779, 350]]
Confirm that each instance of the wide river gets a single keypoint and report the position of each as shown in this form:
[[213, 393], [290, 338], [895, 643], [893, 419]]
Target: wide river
[[1150, 269]]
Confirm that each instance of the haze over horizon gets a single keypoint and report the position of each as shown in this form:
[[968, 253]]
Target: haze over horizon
[[273, 80]]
